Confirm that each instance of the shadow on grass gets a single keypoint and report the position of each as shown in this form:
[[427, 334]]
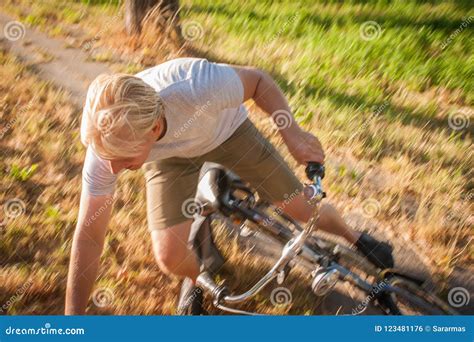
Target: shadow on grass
[[385, 20]]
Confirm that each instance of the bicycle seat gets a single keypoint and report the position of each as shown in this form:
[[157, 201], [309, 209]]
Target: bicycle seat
[[215, 188]]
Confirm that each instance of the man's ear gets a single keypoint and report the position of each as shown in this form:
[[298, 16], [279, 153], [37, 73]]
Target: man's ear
[[157, 127]]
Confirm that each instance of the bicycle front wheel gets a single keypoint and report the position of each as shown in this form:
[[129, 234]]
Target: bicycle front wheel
[[412, 299]]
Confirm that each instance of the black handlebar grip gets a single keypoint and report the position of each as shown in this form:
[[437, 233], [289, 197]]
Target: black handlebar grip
[[314, 169]]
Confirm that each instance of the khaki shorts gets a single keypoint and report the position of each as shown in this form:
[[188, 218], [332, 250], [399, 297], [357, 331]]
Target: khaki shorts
[[171, 183]]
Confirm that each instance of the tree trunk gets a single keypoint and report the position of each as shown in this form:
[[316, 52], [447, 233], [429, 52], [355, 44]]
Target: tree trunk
[[137, 10]]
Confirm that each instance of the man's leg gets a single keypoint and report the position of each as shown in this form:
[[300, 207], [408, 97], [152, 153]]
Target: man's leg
[[175, 258], [171, 185], [379, 253], [329, 219], [172, 253]]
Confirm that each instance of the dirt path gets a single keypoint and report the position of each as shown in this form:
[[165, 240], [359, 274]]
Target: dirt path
[[70, 69]]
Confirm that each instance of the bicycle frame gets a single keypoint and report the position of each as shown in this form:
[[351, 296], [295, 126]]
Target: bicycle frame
[[294, 248]]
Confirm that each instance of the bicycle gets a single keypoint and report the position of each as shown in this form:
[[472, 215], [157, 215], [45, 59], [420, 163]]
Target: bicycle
[[222, 192]]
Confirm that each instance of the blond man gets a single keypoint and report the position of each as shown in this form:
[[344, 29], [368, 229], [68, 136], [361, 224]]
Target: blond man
[[168, 121]]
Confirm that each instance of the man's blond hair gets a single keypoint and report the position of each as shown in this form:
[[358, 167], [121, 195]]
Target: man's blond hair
[[120, 110]]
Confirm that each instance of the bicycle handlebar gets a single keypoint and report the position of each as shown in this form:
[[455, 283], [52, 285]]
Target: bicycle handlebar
[[292, 248]]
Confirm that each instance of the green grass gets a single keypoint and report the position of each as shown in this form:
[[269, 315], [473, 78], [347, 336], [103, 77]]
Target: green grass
[[319, 45]]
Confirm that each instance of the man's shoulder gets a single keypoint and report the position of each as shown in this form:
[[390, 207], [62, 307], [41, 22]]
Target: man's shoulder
[[96, 175]]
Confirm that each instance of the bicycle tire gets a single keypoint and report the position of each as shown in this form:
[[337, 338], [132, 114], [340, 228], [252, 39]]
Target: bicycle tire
[[412, 299]]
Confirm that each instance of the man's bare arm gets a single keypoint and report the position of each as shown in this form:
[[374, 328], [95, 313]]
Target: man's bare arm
[[88, 242], [261, 87]]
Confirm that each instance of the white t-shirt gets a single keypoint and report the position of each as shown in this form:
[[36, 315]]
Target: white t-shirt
[[203, 107]]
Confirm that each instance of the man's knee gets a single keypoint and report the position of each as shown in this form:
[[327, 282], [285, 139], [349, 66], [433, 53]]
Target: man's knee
[[169, 260], [170, 247]]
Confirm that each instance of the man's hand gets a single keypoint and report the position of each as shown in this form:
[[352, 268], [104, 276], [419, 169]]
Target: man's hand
[[304, 147], [86, 249]]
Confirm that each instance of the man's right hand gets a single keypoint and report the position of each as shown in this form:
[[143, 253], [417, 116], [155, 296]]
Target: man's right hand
[[87, 245], [304, 146]]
